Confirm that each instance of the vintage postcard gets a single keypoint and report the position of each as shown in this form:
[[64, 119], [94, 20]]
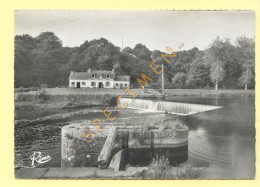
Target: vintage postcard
[[134, 94]]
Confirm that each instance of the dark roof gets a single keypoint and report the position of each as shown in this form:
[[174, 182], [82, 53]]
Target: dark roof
[[87, 75], [122, 78]]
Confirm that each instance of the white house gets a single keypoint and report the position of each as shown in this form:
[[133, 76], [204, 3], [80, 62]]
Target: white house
[[97, 79]]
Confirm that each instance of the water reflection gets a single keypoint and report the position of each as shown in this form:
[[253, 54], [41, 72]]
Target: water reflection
[[223, 137]]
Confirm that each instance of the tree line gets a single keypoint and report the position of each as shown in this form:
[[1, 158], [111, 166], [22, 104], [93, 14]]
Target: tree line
[[44, 60]]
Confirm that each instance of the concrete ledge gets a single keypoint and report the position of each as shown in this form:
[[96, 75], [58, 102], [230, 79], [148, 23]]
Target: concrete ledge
[[87, 172], [131, 173]]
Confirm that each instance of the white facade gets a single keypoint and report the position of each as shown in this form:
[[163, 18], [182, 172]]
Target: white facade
[[103, 83], [97, 79], [121, 84]]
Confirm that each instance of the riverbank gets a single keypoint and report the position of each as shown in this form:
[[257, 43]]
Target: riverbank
[[139, 92], [50, 101], [72, 98], [209, 93], [55, 98]]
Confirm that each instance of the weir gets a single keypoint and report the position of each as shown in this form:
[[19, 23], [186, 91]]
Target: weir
[[182, 109]]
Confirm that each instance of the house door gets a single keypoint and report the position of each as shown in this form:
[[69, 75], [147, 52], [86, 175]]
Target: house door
[[100, 85], [78, 84], [121, 85]]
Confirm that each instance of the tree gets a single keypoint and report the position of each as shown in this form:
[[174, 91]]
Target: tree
[[158, 83], [179, 79], [216, 58], [217, 73], [142, 52], [156, 54], [245, 47], [96, 54], [48, 41], [23, 62], [128, 50], [247, 74], [43, 59], [198, 75]]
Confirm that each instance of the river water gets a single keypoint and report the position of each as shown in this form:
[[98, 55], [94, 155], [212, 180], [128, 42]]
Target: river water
[[223, 137]]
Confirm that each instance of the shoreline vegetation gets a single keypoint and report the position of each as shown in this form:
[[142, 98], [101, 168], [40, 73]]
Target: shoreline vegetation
[[103, 96], [59, 98], [116, 92], [62, 98], [51, 99]]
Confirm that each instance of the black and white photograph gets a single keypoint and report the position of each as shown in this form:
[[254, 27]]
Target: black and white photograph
[[134, 94]]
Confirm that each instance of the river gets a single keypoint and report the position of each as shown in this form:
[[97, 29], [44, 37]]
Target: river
[[224, 137]]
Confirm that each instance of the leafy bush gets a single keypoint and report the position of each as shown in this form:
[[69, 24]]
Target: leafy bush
[[188, 171], [42, 95], [159, 167], [141, 134]]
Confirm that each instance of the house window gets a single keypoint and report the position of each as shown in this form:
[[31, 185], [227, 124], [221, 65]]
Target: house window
[[93, 83], [73, 83], [93, 75], [83, 83], [116, 84], [125, 84], [107, 83], [107, 76]]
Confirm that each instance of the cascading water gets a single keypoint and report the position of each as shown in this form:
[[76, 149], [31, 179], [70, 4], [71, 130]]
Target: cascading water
[[183, 109]]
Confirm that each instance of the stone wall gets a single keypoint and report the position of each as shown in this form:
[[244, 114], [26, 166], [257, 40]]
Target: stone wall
[[88, 153]]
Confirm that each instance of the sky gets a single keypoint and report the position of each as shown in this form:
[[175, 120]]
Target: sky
[[155, 29]]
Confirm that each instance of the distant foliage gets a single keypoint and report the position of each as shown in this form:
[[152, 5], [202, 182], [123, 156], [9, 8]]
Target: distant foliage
[[44, 60], [156, 54], [128, 50], [198, 75], [179, 79], [142, 52]]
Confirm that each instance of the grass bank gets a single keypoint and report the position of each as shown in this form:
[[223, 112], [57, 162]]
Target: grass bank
[[140, 92], [209, 93], [64, 97], [46, 99]]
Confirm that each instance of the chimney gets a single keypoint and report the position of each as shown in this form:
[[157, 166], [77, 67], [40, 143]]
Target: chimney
[[89, 70]]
